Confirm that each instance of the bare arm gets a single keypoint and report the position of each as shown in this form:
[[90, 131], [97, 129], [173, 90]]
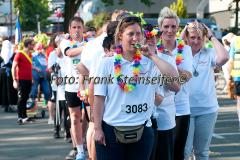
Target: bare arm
[[221, 52], [98, 116], [72, 52], [168, 70], [13, 70], [82, 69], [164, 67]]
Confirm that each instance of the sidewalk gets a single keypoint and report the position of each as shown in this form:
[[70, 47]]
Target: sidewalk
[[29, 142], [35, 141], [225, 143]]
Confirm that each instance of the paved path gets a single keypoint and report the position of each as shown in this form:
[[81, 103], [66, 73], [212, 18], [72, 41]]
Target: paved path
[[29, 142], [226, 140], [35, 141]]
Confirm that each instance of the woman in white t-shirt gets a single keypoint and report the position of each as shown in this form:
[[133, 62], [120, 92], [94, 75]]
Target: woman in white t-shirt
[[172, 134], [203, 98], [123, 102]]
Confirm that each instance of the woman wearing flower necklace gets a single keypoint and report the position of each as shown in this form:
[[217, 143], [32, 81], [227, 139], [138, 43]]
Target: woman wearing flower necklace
[[172, 134], [203, 99], [126, 105], [72, 49]]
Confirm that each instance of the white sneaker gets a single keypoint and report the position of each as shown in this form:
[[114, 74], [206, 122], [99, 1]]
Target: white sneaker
[[27, 120], [50, 121]]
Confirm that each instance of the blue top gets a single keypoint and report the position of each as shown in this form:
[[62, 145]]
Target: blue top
[[39, 61]]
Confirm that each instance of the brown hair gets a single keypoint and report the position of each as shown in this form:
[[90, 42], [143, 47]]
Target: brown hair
[[124, 23], [76, 19]]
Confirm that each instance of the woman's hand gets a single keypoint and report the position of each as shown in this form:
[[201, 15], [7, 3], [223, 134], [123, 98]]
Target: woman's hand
[[184, 73], [15, 84], [184, 32], [149, 48], [99, 136], [84, 99], [209, 32]]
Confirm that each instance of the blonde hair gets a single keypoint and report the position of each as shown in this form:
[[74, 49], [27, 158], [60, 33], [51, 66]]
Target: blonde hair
[[196, 26], [167, 13]]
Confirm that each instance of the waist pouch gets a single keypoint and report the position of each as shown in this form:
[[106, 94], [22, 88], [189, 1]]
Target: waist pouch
[[129, 134]]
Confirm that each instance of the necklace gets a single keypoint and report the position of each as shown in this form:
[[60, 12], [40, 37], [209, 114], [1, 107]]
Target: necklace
[[180, 45], [117, 69], [85, 38], [75, 44], [195, 72], [150, 34]]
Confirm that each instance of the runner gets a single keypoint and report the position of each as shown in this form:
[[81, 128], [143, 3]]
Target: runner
[[203, 98], [126, 106], [72, 48]]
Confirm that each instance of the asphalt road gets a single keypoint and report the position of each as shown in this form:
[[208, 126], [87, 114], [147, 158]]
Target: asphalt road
[[29, 142], [35, 141]]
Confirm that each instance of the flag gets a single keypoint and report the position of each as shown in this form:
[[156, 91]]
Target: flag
[[18, 34]]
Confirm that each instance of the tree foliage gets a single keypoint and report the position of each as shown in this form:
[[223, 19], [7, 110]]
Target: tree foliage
[[120, 2], [28, 11], [179, 8], [235, 11], [71, 7]]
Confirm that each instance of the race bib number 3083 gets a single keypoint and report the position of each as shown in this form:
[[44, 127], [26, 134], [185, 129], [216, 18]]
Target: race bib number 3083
[[138, 108]]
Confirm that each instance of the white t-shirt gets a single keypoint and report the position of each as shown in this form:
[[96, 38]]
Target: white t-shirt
[[182, 96], [203, 98], [166, 111], [52, 59], [121, 108], [92, 54], [72, 82], [61, 73]]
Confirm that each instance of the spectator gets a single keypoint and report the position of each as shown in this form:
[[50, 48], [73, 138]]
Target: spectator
[[22, 78]]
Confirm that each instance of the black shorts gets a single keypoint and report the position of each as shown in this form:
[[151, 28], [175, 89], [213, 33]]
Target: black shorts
[[237, 88], [72, 99], [53, 96]]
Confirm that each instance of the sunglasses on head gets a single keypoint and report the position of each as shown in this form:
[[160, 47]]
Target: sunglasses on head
[[194, 20], [131, 19]]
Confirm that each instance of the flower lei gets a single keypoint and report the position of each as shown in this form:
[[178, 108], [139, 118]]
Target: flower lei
[[179, 57], [85, 38], [117, 69], [74, 43], [150, 34]]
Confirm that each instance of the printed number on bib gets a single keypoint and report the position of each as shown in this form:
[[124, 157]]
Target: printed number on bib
[[138, 108]]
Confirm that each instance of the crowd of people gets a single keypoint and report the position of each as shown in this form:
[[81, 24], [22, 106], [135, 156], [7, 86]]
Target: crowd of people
[[132, 92]]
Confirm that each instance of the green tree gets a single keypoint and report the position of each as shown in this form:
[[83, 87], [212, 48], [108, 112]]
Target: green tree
[[235, 10], [71, 7], [179, 8], [28, 11]]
